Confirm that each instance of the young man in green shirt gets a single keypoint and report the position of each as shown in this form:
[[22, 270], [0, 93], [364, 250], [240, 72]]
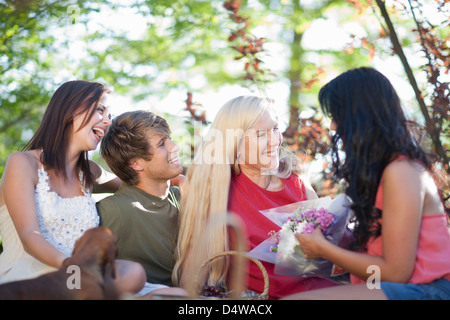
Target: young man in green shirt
[[143, 213]]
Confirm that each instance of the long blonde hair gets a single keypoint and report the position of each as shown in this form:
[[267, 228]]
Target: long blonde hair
[[207, 185]]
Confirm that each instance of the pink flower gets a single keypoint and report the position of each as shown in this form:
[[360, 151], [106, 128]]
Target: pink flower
[[306, 222], [308, 228], [325, 220]]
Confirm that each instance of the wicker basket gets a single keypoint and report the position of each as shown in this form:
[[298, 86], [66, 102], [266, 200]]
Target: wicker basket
[[261, 296]]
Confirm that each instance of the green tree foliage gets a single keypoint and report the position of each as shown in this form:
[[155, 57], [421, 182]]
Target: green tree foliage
[[189, 46], [183, 47], [27, 67]]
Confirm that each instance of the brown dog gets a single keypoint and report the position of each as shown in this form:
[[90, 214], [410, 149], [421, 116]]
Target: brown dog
[[87, 275]]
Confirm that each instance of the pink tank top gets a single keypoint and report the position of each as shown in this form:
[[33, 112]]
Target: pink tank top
[[433, 249]]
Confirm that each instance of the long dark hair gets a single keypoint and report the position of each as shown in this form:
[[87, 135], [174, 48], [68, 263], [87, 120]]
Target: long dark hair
[[373, 130], [69, 100]]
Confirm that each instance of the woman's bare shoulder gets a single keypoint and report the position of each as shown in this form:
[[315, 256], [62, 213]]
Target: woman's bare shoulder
[[30, 158], [404, 168], [403, 177], [23, 163], [20, 166]]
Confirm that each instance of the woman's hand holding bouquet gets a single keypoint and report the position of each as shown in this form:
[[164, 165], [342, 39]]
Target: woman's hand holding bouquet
[[311, 244]]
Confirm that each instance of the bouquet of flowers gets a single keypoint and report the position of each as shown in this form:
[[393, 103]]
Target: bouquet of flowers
[[282, 248], [305, 223]]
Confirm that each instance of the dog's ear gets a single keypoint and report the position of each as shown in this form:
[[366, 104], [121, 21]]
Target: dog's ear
[[110, 258], [110, 253], [85, 238], [109, 271]]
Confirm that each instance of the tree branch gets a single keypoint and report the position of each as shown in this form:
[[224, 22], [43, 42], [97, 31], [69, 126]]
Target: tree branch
[[399, 50]]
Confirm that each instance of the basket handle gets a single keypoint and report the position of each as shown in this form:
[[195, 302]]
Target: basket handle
[[237, 275], [265, 292]]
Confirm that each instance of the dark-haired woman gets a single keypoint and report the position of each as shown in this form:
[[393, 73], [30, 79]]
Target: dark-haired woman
[[401, 227], [45, 193]]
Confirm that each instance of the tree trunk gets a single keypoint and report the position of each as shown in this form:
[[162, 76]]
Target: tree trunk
[[294, 76]]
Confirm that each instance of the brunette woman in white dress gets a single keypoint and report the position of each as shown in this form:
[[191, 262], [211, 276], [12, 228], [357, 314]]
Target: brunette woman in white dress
[[45, 192]]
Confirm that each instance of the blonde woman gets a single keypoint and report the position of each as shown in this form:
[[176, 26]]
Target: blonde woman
[[239, 169]]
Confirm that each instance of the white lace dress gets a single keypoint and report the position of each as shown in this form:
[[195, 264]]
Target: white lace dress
[[61, 220]]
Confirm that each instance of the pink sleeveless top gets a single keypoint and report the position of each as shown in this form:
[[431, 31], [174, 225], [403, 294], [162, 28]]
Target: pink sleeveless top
[[433, 249]]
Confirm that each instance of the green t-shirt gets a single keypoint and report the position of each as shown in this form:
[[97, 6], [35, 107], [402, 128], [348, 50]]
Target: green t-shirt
[[146, 228]]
